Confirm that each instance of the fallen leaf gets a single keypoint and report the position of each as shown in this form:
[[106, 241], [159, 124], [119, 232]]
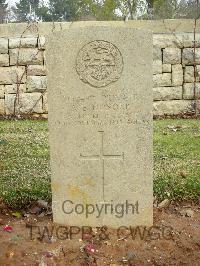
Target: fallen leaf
[[17, 214], [8, 228], [90, 248], [48, 254], [9, 254], [183, 174]]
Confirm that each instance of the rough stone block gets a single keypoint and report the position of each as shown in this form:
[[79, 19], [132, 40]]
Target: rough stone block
[[12, 75], [197, 73], [45, 116], [166, 68], [189, 58], [162, 80], [2, 91], [188, 40], [157, 67], [28, 103], [45, 103], [189, 74], [177, 75], [29, 42], [4, 60], [167, 93], [188, 91], [172, 56], [44, 57], [173, 107], [23, 56], [157, 54], [36, 70], [3, 46], [36, 83], [41, 42], [9, 89], [2, 106], [166, 40], [197, 90]]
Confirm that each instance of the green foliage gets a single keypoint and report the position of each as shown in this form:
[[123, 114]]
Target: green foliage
[[168, 9], [68, 10], [108, 10], [63, 10], [3, 7], [24, 7]]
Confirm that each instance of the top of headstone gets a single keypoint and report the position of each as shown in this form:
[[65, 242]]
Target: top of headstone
[[41, 29]]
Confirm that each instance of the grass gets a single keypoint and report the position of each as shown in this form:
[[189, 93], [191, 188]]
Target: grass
[[25, 168], [177, 159]]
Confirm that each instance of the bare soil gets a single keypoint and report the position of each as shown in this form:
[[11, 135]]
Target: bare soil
[[175, 241]]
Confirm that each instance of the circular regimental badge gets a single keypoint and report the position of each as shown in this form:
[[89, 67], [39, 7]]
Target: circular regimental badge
[[99, 63]]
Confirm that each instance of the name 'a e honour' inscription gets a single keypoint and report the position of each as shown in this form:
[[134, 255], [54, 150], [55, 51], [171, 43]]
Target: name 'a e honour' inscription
[[99, 63]]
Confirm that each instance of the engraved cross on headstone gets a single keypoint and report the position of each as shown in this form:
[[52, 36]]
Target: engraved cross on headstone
[[102, 157]]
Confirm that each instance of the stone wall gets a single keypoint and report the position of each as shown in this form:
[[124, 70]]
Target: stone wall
[[176, 66]]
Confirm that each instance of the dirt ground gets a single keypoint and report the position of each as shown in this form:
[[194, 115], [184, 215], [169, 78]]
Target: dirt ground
[[174, 240]]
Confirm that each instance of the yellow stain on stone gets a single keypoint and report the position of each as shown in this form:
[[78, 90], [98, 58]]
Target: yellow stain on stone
[[76, 193], [89, 181], [55, 187]]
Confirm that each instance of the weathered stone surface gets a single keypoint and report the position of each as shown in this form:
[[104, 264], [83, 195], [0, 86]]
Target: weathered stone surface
[[167, 93], [167, 26], [173, 107], [44, 57], [45, 103], [162, 80], [167, 40], [36, 70], [45, 116], [166, 68], [12, 75], [14, 88], [197, 73], [157, 67], [191, 91], [28, 103], [197, 91], [4, 60], [29, 42], [36, 83], [41, 42], [171, 38], [177, 75], [188, 40], [2, 91], [189, 74], [100, 123], [163, 204], [188, 91], [3, 46], [189, 58], [24, 56], [157, 53], [2, 107], [172, 56]]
